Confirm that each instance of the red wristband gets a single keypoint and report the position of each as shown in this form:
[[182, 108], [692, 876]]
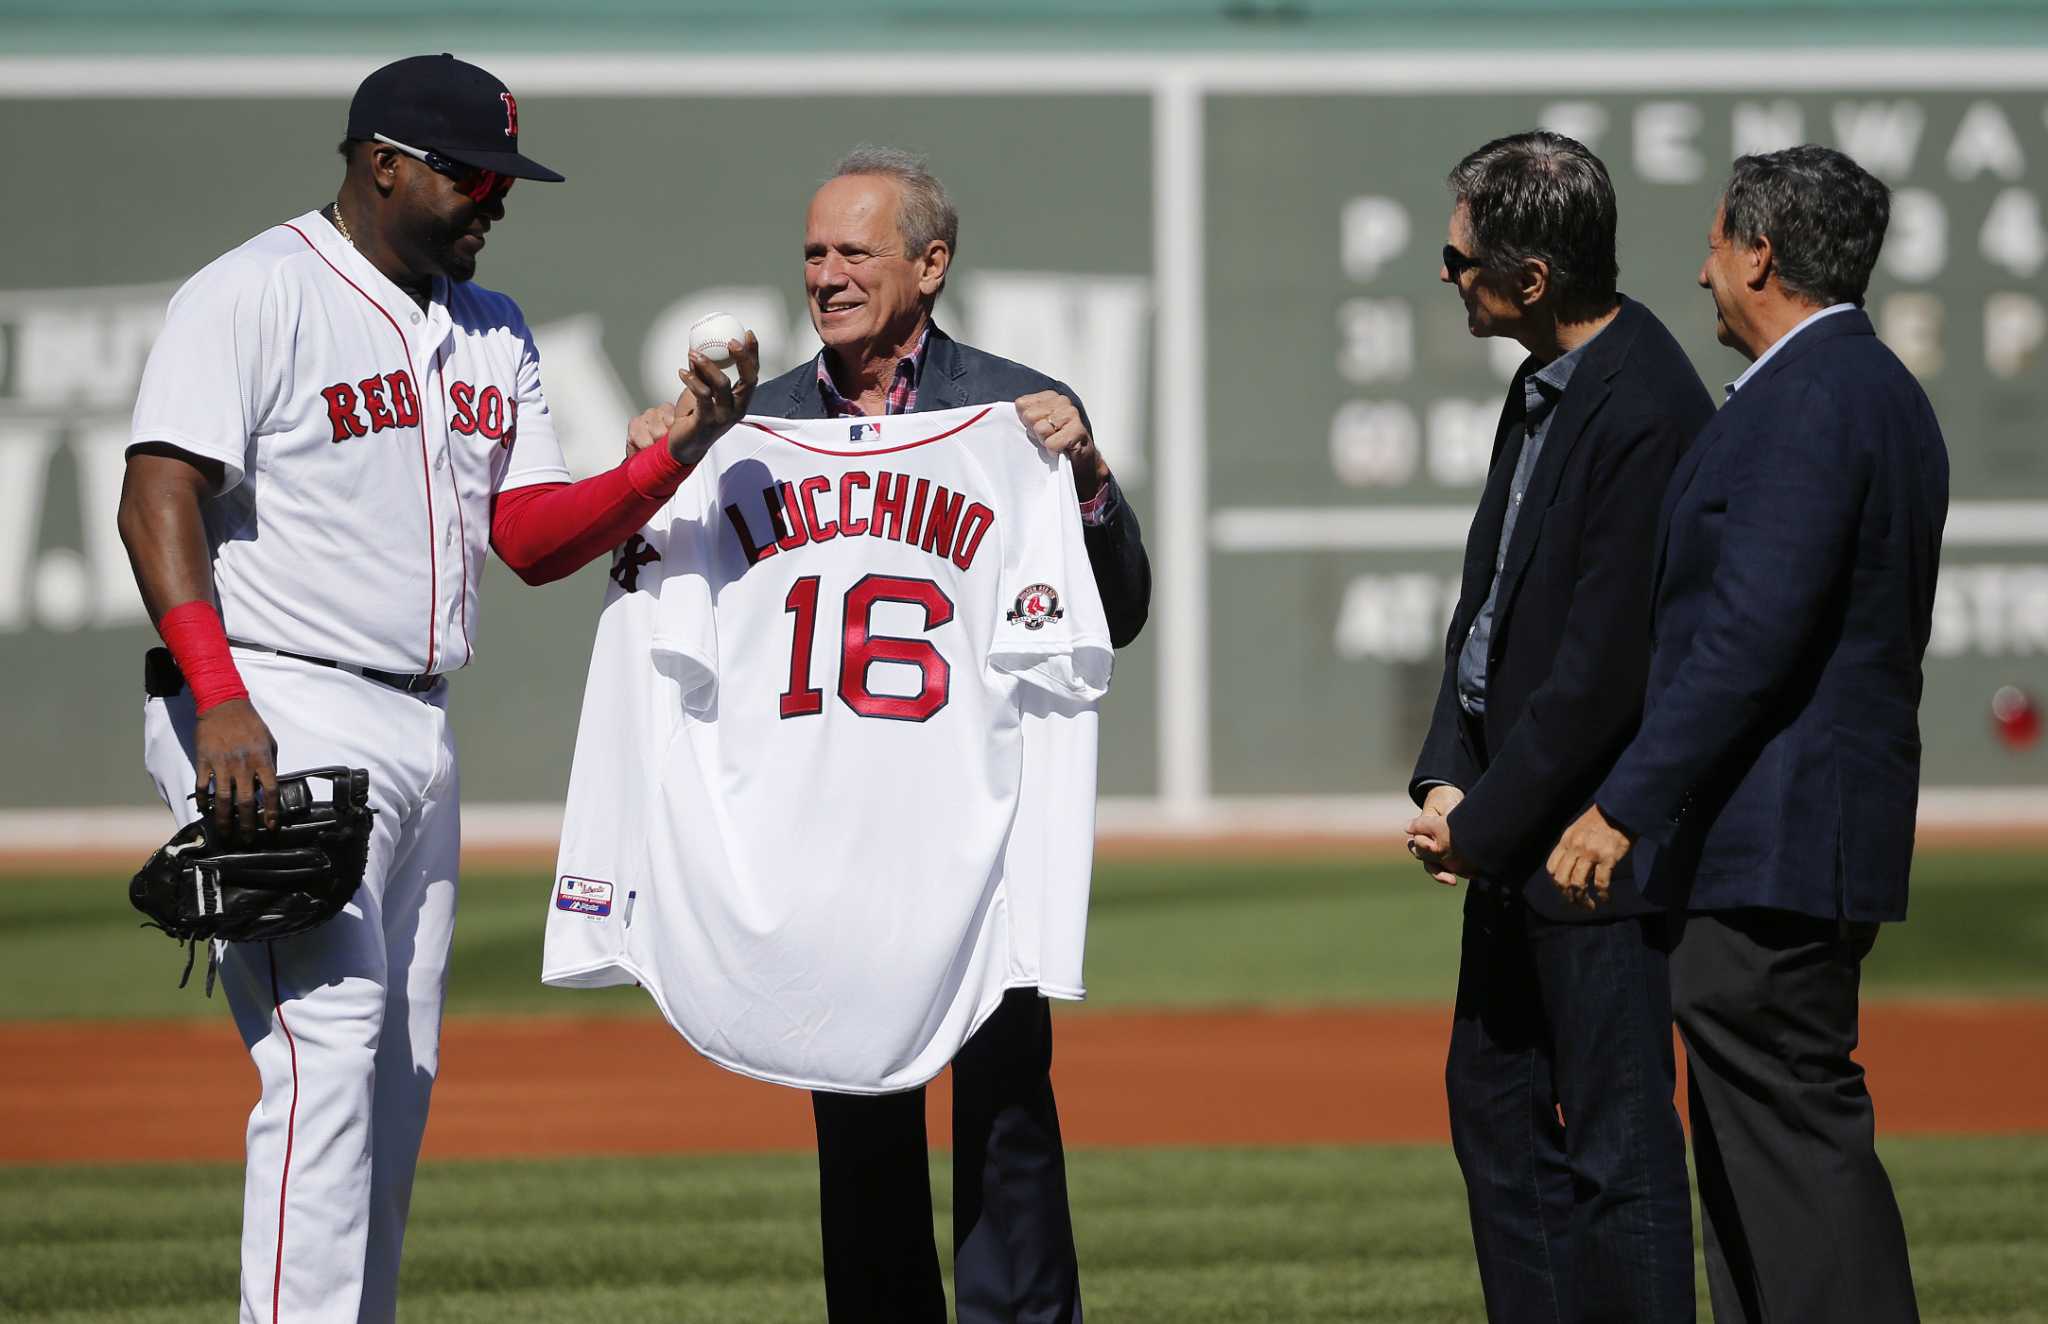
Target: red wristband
[[195, 636]]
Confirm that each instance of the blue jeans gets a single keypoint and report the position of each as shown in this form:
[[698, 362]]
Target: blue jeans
[[1560, 1081]]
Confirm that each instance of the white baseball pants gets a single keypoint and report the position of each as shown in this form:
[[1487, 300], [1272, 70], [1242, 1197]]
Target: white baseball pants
[[344, 1022]]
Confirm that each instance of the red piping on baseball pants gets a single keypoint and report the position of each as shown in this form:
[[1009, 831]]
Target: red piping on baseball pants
[[290, 1127]]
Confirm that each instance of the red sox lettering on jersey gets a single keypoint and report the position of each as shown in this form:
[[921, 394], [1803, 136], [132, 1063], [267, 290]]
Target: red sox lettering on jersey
[[388, 402], [298, 367], [374, 404]]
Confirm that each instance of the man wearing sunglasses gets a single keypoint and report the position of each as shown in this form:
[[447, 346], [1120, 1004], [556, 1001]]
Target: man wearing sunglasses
[[1558, 1011], [334, 429]]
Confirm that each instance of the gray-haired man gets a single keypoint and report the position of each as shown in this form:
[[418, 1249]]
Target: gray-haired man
[[1771, 791], [878, 245], [1560, 1074]]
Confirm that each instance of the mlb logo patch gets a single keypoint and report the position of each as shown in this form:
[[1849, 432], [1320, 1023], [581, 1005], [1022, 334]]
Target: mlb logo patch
[[583, 896], [864, 432]]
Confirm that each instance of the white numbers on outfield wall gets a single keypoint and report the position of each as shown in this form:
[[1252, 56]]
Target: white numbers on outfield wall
[[1585, 121], [1373, 231], [1375, 443], [1993, 611], [1666, 146], [1969, 201], [2013, 236], [1910, 321], [1962, 194], [2015, 330], [1883, 136], [1986, 144], [1916, 243], [1395, 618], [1375, 340], [1765, 126], [1380, 443], [1958, 287], [1461, 440], [1662, 138]]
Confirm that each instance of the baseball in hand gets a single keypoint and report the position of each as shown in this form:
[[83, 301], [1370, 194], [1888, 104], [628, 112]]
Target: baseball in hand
[[708, 336]]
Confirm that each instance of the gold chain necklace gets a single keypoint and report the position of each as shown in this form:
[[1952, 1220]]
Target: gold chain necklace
[[342, 226]]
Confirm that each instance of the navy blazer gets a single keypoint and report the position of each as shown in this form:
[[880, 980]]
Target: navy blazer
[[955, 375], [1778, 764], [1570, 651]]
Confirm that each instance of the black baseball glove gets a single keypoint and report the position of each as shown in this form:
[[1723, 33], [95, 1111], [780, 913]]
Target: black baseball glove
[[205, 885]]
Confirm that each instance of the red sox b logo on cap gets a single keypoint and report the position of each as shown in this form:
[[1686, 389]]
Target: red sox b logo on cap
[[511, 114]]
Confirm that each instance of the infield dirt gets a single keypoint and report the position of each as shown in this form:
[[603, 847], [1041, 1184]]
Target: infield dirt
[[86, 1091]]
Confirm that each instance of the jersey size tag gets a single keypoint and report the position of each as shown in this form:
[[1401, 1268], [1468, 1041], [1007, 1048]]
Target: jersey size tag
[[584, 896]]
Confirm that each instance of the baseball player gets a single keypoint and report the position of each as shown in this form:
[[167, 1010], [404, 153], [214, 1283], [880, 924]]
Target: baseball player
[[332, 429]]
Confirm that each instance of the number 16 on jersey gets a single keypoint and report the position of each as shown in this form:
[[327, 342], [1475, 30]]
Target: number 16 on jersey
[[860, 648]]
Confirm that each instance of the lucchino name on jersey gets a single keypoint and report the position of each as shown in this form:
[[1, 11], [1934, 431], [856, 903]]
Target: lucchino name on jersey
[[858, 504]]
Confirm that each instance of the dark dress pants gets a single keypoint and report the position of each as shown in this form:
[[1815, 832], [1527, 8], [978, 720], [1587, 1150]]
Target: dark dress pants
[[1560, 1080], [1013, 1239], [1800, 1221]]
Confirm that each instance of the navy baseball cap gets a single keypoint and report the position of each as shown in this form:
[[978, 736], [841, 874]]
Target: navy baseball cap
[[441, 104]]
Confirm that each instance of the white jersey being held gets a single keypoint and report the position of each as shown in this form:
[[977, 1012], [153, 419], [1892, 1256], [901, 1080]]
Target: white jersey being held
[[834, 785], [362, 436]]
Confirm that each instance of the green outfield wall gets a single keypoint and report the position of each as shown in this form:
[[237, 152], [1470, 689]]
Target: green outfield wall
[[1230, 255], [1043, 28]]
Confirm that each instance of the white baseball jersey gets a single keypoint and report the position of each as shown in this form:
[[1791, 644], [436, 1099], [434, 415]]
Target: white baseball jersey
[[834, 784], [363, 438]]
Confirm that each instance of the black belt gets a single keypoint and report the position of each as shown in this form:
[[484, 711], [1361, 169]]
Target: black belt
[[161, 678], [419, 684]]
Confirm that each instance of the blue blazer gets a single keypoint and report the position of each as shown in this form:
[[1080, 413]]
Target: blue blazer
[[1778, 762], [956, 375], [1570, 648]]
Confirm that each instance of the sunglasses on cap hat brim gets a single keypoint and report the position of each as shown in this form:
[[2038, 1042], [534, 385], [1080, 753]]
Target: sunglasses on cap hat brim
[[479, 185]]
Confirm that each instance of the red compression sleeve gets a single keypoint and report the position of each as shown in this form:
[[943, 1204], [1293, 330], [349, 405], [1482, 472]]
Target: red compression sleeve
[[550, 530], [195, 636]]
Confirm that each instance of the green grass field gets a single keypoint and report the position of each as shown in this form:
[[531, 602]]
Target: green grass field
[[1363, 1234], [1165, 933], [1167, 1237]]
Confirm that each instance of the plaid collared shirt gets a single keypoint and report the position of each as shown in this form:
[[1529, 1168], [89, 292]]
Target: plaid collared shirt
[[902, 398]]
